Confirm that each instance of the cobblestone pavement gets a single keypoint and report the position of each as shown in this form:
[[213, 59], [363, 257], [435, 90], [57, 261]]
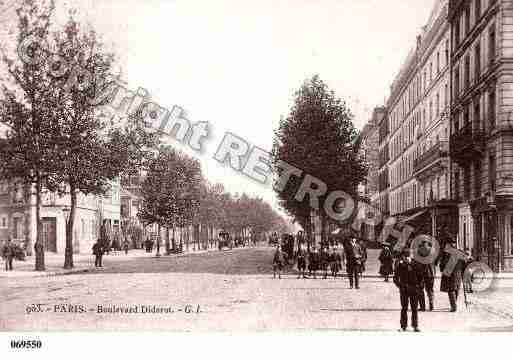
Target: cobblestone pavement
[[232, 290]]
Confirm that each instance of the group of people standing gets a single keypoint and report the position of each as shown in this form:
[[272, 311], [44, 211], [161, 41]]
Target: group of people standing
[[416, 280], [309, 262]]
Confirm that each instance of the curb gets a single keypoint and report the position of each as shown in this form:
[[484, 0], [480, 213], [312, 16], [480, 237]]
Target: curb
[[34, 274]]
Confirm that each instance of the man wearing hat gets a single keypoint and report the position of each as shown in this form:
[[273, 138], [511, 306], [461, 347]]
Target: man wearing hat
[[408, 278], [451, 283], [8, 253], [354, 255]]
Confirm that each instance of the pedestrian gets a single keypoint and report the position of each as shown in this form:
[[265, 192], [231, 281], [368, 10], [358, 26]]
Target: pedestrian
[[277, 262], [408, 278], [353, 262], [301, 262], [98, 251], [451, 280], [334, 262], [313, 262], [468, 275], [324, 261], [125, 246], [361, 242], [428, 278], [387, 262], [8, 254]]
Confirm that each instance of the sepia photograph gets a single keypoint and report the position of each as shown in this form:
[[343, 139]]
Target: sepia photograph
[[272, 166]]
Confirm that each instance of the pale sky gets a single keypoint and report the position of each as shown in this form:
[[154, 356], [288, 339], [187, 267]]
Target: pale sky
[[236, 64]]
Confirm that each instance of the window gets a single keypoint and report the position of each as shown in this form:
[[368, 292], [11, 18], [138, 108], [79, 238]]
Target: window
[[467, 20], [456, 83], [491, 44], [446, 52], [446, 97], [477, 10], [457, 32], [17, 228], [491, 108], [492, 173], [437, 63], [437, 109], [477, 62], [430, 72], [477, 179], [466, 116], [456, 185], [466, 73], [437, 194], [4, 187], [466, 183], [3, 222], [477, 115]]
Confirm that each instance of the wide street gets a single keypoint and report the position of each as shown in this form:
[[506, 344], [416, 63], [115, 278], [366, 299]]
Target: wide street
[[232, 290]]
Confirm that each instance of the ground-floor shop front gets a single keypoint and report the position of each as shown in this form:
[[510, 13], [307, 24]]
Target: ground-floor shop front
[[493, 231]]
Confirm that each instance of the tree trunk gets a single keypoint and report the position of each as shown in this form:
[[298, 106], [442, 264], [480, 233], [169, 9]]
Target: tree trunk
[[187, 238], [168, 246], [39, 246], [68, 253], [173, 241]]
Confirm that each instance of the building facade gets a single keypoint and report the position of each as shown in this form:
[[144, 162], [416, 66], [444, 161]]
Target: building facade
[[418, 131], [368, 147], [481, 144], [18, 217]]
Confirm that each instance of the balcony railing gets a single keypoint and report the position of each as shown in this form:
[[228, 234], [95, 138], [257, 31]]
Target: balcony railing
[[438, 151], [467, 144]]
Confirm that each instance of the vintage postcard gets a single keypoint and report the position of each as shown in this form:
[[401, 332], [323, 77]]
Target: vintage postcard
[[248, 166]]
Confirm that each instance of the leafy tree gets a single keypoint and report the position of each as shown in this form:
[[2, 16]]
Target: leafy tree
[[92, 152], [171, 190], [318, 138], [27, 153]]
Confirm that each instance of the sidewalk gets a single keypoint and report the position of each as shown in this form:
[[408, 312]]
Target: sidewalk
[[82, 263]]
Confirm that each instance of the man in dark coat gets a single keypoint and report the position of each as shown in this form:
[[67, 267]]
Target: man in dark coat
[[408, 278], [335, 260], [8, 253], [428, 278], [277, 262], [324, 259], [98, 254], [301, 262], [451, 283], [313, 262], [354, 255]]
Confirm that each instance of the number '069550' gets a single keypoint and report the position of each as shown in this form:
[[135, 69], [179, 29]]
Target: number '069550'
[[26, 344]]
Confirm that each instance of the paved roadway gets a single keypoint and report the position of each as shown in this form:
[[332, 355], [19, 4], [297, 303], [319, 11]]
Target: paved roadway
[[234, 291]]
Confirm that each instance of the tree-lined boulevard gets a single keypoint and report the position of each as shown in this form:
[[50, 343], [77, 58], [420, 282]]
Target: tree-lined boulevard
[[235, 291]]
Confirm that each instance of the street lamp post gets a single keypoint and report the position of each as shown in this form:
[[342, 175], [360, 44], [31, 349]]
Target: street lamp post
[[66, 210]]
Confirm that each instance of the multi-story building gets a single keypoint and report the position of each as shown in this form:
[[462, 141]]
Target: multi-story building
[[368, 148], [383, 158], [418, 131], [481, 144], [368, 142], [18, 213]]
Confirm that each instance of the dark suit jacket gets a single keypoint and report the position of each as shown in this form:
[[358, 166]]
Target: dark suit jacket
[[408, 275]]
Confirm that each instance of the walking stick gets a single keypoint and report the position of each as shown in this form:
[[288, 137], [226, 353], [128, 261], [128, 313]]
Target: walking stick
[[464, 290]]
